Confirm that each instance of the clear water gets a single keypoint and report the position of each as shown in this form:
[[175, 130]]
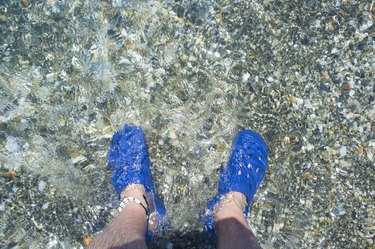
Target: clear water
[[191, 73]]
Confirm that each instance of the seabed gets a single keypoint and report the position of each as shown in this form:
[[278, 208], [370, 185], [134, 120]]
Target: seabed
[[191, 73]]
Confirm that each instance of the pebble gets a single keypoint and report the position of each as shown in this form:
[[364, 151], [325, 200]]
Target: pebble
[[360, 150], [245, 77], [346, 86], [309, 176], [41, 186], [342, 212], [56, 8], [299, 101], [107, 5], [12, 145], [325, 155], [86, 240], [172, 135], [26, 3], [342, 151], [330, 133], [287, 139], [164, 72], [328, 167]]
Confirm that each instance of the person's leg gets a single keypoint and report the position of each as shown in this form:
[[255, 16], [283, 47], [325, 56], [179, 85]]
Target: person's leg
[[239, 180], [128, 229], [231, 226], [129, 163]]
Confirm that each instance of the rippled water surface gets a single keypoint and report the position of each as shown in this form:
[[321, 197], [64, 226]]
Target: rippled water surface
[[191, 73]]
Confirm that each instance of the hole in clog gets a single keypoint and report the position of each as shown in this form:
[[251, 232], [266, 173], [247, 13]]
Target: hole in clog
[[249, 166], [241, 164], [137, 166], [248, 175], [260, 158], [257, 170], [249, 156], [241, 156], [239, 172]]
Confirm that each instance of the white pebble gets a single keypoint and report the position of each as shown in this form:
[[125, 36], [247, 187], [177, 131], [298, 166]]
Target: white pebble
[[12, 145], [56, 9], [245, 77], [342, 151], [42, 185], [299, 101], [349, 116]]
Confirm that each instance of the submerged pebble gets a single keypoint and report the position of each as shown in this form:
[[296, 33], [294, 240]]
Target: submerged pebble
[[41, 186], [342, 151], [12, 145]]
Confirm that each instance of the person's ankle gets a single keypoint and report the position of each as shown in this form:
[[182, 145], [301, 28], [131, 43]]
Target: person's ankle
[[136, 191], [133, 190], [231, 205]]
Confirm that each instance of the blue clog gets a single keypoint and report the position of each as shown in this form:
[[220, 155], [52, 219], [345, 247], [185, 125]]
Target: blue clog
[[129, 162], [244, 172]]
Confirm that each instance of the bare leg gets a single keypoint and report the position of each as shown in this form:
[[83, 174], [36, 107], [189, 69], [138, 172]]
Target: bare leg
[[128, 229], [231, 225]]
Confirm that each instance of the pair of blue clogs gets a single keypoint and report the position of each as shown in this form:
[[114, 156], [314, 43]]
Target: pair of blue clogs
[[129, 162]]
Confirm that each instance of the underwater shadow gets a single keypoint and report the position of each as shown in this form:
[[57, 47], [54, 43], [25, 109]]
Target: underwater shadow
[[193, 239]]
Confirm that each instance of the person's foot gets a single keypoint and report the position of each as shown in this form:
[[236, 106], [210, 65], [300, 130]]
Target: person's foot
[[131, 175], [240, 180], [230, 205], [136, 191]]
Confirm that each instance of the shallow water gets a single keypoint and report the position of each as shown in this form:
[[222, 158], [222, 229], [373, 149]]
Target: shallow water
[[191, 73]]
